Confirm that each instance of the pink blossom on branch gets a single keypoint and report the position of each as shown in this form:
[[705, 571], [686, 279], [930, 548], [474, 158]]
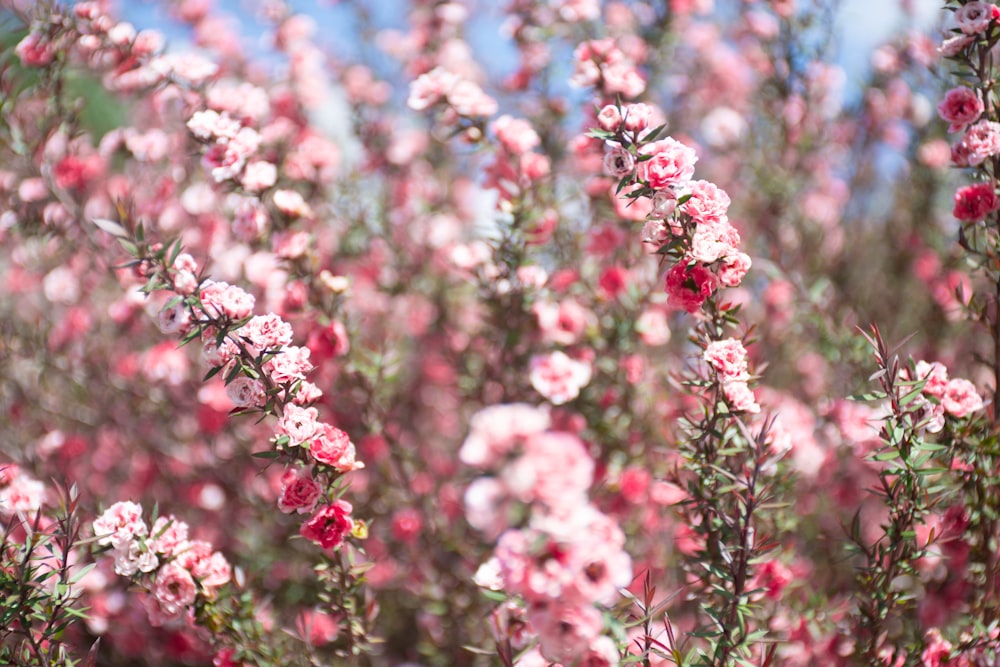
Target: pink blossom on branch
[[558, 377]]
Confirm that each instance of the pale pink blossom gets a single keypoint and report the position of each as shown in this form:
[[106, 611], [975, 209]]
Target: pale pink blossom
[[638, 117], [714, 241], [664, 203], [132, 557], [333, 447], [246, 392], [496, 430], [265, 333], [618, 162], [259, 175], [733, 269], [974, 17], [298, 423], [516, 135], [430, 88], [291, 203], [210, 125], [960, 107], [167, 535], [558, 377], [554, 469], [174, 590], [468, 99], [961, 398], [740, 397], [565, 630], [936, 376], [221, 299], [707, 204], [955, 45], [120, 524], [22, 495], [486, 500], [652, 327], [290, 364], [729, 359], [564, 323], [670, 165], [610, 118], [981, 141], [290, 244]]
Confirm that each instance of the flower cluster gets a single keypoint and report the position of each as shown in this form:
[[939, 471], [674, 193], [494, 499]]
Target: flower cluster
[[20, 493], [566, 556], [685, 218], [728, 358], [266, 373], [176, 571]]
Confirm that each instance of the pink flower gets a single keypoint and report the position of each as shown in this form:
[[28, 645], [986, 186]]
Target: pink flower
[[120, 524], [430, 88], [974, 202], [334, 448], [298, 423], [708, 203], [496, 430], [981, 141], [728, 357], [265, 333], [936, 376], [618, 162], [613, 281], [515, 134], [131, 558], [259, 175], [246, 392], [955, 45], [167, 535], [961, 398], [565, 631], [740, 397], [290, 364], [734, 267], [23, 495], [292, 204], [609, 118], [173, 319], [670, 165], [557, 377], [317, 627], [653, 328], [688, 286], [290, 245], [562, 324], [960, 107], [937, 651], [555, 469], [35, 50], [225, 300], [713, 241], [330, 525], [174, 590], [638, 117], [974, 17], [468, 99]]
